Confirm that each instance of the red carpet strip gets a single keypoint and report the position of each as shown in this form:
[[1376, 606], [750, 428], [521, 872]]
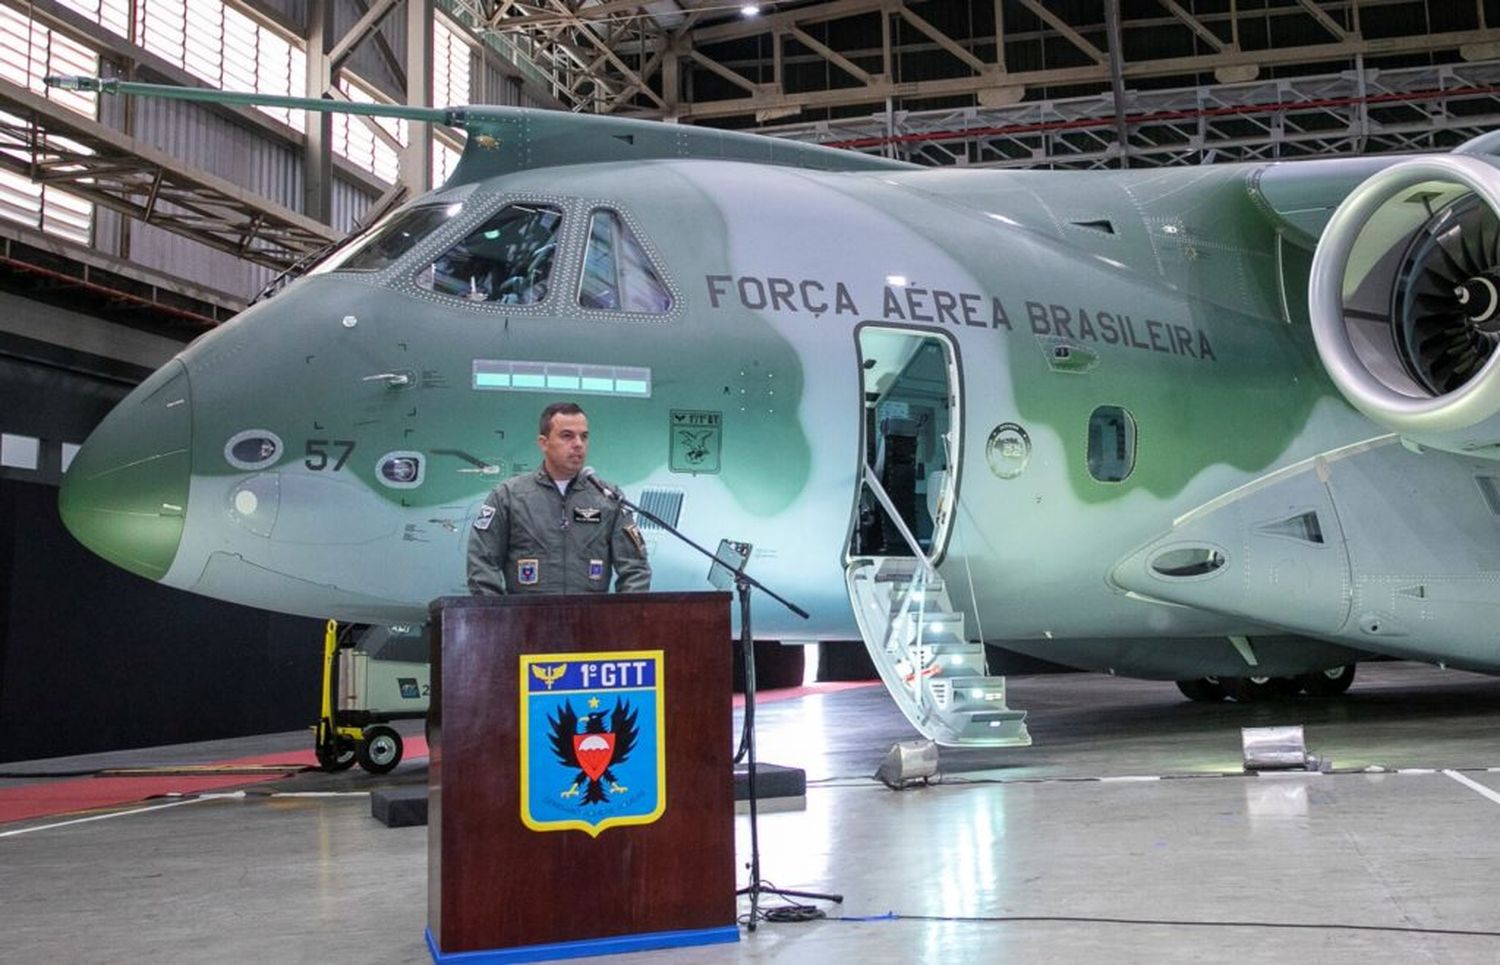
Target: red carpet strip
[[811, 690], [47, 798]]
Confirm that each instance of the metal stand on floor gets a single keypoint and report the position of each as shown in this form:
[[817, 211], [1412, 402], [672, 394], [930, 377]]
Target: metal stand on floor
[[757, 887], [729, 565]]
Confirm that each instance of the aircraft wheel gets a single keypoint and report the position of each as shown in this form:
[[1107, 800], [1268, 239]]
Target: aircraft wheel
[[1328, 683], [1249, 690], [1204, 690], [380, 751], [335, 757]]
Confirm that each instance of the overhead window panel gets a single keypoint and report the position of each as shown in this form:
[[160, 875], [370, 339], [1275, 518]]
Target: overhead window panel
[[241, 51], [353, 137], [28, 52], [112, 15], [160, 26], [20, 452], [68, 216], [444, 160], [450, 66], [225, 48], [203, 45], [451, 58], [282, 69], [20, 200]]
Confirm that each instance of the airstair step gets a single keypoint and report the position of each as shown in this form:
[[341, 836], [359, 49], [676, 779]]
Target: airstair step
[[955, 662], [928, 599], [918, 641], [901, 570], [942, 634], [972, 695]]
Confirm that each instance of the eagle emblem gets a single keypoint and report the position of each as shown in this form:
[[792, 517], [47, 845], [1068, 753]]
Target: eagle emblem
[[592, 740], [695, 444], [594, 751]]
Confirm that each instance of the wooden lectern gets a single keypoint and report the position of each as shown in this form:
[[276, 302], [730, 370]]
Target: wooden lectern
[[580, 792]]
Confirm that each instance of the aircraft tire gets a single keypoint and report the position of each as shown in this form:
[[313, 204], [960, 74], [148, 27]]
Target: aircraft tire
[[380, 751], [336, 757], [1203, 690], [1249, 690], [1328, 683]]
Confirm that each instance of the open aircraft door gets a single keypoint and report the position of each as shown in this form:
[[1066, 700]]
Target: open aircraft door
[[911, 395]]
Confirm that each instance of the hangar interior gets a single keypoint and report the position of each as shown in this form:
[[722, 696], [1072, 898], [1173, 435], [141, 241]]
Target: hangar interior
[[130, 226]]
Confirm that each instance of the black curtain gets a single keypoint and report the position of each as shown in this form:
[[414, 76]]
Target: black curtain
[[94, 658]]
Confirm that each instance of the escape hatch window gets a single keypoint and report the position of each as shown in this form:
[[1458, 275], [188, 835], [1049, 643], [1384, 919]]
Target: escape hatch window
[[1111, 444], [507, 260], [389, 240], [617, 275]]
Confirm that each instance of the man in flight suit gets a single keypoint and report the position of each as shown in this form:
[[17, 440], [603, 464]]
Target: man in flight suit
[[551, 532]]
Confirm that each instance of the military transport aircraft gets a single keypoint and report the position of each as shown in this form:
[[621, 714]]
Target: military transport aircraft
[[1233, 426]]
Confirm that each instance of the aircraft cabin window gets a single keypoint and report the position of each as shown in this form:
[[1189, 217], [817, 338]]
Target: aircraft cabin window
[[395, 238], [1111, 444], [617, 275], [506, 260]]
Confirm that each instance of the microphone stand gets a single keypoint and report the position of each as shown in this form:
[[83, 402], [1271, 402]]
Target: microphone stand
[[743, 582]]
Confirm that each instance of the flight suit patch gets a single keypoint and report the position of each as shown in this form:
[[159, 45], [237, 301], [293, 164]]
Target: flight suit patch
[[486, 516], [528, 572], [587, 514], [596, 569]]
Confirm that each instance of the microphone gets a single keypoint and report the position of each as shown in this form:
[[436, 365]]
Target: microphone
[[588, 475]]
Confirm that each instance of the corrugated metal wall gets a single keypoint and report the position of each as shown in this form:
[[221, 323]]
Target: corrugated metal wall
[[493, 86], [204, 138], [349, 205]]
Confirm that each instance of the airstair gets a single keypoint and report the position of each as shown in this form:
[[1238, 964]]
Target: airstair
[[918, 641]]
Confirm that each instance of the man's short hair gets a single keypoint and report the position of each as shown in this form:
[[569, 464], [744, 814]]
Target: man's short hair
[[557, 408]]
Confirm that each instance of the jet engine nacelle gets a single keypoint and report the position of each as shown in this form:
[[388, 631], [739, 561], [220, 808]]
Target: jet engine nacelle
[[1404, 298]]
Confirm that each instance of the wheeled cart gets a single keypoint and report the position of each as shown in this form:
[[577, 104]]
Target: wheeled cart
[[372, 675]]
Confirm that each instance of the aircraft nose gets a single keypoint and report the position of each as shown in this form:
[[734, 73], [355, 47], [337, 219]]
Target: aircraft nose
[[126, 490]]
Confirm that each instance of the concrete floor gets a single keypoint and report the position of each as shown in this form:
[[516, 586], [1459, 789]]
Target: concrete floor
[[1353, 866]]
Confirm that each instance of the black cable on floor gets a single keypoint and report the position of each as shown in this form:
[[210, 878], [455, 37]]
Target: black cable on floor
[[1170, 923], [789, 913]]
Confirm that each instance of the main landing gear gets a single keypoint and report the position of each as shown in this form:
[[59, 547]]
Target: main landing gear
[[1210, 690]]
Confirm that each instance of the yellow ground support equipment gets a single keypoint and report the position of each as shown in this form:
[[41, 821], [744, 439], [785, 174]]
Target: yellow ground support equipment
[[366, 685]]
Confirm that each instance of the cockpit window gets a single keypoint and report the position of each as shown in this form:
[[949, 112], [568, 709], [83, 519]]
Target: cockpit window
[[617, 275], [390, 239], [506, 260]]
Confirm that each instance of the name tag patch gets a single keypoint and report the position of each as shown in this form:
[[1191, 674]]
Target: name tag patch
[[528, 572], [587, 514], [486, 516], [596, 569]]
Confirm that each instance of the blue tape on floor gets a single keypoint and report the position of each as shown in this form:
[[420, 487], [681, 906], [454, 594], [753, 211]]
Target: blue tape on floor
[[618, 945]]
